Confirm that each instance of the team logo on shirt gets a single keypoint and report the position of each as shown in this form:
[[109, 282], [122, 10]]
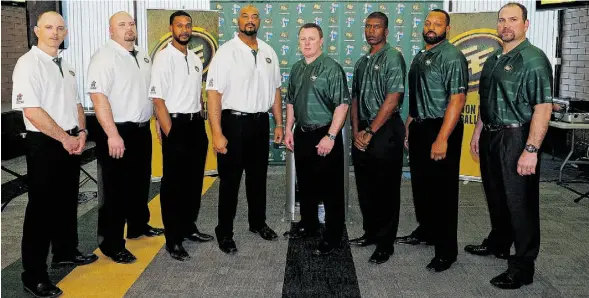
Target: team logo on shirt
[[268, 60], [428, 62], [196, 68], [376, 67], [313, 78], [508, 68], [152, 91], [72, 73], [93, 85], [19, 99], [211, 84]]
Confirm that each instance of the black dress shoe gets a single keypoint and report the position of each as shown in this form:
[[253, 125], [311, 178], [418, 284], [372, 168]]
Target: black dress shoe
[[265, 232], [510, 280], [43, 289], [412, 240], [440, 264], [324, 249], [178, 252], [149, 232], [300, 232], [381, 255], [199, 237], [77, 259], [362, 241], [484, 250], [227, 245], [123, 257]]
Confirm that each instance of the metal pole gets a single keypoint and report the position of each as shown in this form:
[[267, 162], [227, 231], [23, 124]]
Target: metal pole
[[346, 141], [289, 206]]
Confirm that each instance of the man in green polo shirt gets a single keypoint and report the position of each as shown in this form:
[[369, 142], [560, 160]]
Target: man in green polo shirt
[[438, 83], [516, 104], [377, 94], [317, 102]]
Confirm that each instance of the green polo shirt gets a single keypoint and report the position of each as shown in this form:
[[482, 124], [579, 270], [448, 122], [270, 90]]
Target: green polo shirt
[[316, 89], [435, 75], [512, 84], [375, 76]]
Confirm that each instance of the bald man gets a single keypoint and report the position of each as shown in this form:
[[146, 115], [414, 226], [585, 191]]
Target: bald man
[[44, 89], [118, 83], [243, 84]]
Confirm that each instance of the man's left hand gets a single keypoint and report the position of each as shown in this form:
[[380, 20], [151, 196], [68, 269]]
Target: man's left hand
[[278, 135], [81, 143], [439, 149], [324, 147], [526, 165]]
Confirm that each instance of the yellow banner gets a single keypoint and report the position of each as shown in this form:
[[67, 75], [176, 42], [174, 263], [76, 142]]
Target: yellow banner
[[474, 34]]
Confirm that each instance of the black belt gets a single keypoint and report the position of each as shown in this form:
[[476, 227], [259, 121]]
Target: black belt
[[73, 132], [134, 124], [244, 114], [368, 122], [186, 116], [311, 127], [497, 127], [420, 120]]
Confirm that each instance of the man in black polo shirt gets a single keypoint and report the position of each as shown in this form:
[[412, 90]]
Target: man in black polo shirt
[[516, 104], [377, 93], [438, 83], [317, 101]]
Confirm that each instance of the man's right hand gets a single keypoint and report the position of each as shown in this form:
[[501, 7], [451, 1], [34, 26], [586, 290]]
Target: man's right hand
[[70, 144], [220, 143], [407, 137], [474, 143], [289, 140], [116, 147]]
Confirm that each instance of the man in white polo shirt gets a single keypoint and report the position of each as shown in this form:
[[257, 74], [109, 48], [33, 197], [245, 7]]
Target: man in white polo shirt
[[243, 84], [118, 81], [44, 88], [176, 87]]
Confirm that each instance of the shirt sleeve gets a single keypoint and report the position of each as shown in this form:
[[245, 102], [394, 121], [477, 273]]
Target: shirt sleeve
[[159, 77], [338, 86], [355, 83], [456, 80], [290, 98], [26, 90], [217, 73], [538, 83], [395, 74], [277, 76], [100, 74]]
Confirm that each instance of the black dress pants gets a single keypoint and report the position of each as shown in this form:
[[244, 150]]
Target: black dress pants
[[248, 147], [51, 216], [435, 184], [513, 200], [125, 186], [184, 155], [320, 178], [378, 180]]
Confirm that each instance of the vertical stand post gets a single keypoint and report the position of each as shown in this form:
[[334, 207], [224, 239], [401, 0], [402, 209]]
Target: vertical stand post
[[346, 141], [289, 206]]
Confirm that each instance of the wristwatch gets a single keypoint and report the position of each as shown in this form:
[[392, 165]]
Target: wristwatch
[[330, 136], [369, 131], [531, 148]]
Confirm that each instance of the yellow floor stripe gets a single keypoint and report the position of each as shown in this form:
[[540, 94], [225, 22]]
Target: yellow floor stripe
[[105, 278]]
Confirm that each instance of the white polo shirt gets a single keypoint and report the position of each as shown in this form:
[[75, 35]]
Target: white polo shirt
[[114, 72], [37, 82], [247, 84], [177, 79]]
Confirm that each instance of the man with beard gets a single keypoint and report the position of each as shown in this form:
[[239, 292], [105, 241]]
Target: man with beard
[[118, 81], [243, 83], [317, 101], [377, 94], [44, 88], [438, 83], [516, 105], [176, 77]]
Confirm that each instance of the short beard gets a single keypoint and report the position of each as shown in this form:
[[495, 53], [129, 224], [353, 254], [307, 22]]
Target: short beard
[[435, 40], [249, 33], [131, 38], [182, 42], [506, 39]]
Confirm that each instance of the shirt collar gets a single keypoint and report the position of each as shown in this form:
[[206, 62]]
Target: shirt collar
[[438, 47], [243, 45], [39, 53], [382, 50], [316, 61], [175, 51], [115, 45], [524, 44]]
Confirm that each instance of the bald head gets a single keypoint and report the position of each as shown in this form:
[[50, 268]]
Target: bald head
[[122, 28], [50, 30], [249, 20]]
